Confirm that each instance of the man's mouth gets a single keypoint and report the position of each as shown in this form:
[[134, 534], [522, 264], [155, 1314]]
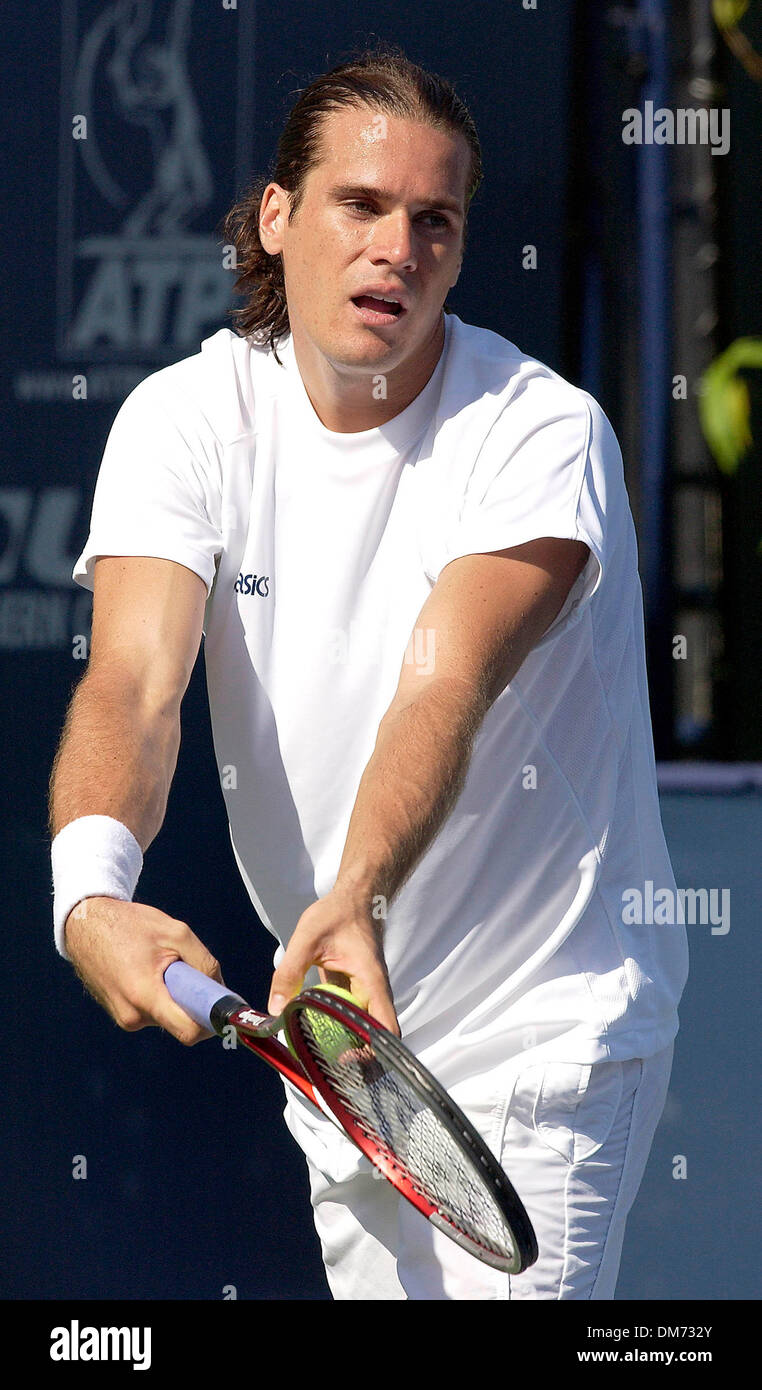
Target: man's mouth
[[376, 310]]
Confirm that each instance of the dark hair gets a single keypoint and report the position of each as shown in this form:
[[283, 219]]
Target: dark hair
[[382, 77]]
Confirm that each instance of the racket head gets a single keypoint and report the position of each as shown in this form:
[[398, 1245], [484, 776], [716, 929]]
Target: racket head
[[407, 1125]]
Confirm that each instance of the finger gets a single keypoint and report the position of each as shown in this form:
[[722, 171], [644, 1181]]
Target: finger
[[381, 1006], [185, 945], [369, 983], [288, 979], [166, 1013], [158, 1011], [131, 1017], [174, 1020]]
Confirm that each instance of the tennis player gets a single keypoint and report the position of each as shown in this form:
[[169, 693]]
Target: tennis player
[[410, 549]]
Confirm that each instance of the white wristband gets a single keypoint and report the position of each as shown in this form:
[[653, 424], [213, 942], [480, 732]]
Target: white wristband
[[92, 857]]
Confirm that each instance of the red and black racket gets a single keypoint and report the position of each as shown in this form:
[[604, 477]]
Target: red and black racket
[[388, 1104]]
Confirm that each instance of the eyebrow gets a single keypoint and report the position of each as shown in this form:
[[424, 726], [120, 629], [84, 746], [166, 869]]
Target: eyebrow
[[363, 190]]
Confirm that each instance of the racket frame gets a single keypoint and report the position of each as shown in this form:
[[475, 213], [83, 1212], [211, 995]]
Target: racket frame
[[257, 1032]]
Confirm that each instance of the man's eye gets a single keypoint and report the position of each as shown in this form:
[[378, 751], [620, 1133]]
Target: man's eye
[[436, 220]]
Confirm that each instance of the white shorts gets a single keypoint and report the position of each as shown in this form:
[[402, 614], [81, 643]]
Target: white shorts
[[574, 1140]]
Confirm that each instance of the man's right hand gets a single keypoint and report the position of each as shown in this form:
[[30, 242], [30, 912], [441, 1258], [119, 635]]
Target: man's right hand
[[120, 952]]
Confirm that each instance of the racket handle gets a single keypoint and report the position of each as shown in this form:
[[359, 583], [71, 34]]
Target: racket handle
[[197, 994]]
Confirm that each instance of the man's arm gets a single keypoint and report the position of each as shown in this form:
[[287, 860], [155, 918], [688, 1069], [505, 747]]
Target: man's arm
[[117, 758], [486, 613]]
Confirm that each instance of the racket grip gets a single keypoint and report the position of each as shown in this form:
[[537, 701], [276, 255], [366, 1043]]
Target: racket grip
[[197, 994]]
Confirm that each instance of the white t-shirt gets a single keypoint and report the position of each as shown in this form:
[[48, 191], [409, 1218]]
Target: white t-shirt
[[318, 550]]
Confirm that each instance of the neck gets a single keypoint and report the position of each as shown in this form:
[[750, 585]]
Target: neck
[[343, 399]]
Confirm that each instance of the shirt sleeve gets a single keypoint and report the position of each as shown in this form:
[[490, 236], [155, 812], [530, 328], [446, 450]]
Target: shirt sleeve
[[551, 466], [157, 492]]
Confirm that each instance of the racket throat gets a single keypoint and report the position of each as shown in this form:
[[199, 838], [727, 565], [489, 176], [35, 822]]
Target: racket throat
[[223, 1012]]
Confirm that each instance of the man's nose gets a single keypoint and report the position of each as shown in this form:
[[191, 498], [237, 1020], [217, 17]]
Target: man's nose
[[394, 240]]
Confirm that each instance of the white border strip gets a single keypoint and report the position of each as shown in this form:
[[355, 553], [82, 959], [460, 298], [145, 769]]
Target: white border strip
[[709, 777]]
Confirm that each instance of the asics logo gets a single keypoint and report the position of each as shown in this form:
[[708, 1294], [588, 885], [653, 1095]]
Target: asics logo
[[253, 584]]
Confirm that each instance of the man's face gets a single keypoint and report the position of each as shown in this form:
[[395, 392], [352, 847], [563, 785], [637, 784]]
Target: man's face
[[383, 210]]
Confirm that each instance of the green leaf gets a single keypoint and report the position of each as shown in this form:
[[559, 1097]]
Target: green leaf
[[724, 405], [728, 13]]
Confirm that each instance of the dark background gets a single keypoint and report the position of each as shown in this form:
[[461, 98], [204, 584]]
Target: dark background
[[192, 1180]]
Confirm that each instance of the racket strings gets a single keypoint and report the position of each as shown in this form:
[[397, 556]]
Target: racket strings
[[409, 1133]]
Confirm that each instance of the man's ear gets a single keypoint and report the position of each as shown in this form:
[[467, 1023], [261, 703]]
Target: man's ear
[[273, 214]]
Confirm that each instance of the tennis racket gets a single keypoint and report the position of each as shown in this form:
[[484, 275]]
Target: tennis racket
[[386, 1102]]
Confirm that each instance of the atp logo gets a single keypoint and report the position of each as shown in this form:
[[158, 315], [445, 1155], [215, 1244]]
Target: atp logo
[[253, 584], [142, 276]]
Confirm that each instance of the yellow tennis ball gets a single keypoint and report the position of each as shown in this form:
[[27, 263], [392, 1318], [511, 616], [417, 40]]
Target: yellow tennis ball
[[342, 993], [330, 1034]]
